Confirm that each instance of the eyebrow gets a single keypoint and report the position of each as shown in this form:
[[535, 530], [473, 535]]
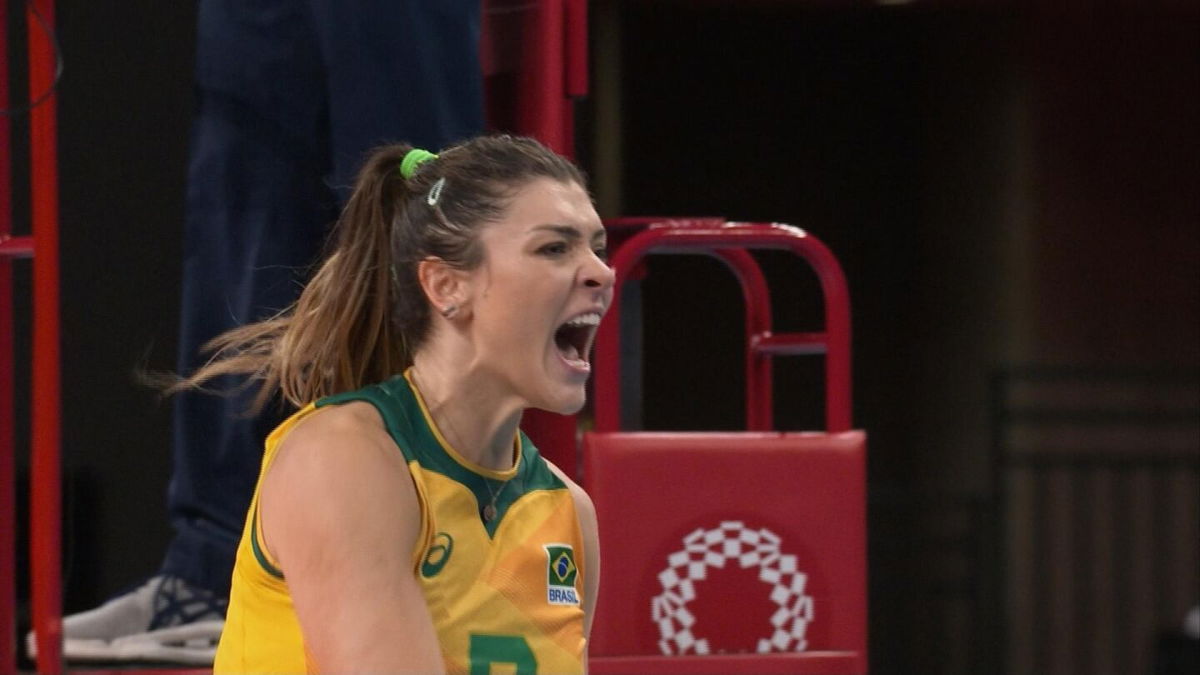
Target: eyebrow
[[569, 231]]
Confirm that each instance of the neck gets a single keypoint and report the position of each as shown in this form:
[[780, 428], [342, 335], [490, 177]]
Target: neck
[[474, 415]]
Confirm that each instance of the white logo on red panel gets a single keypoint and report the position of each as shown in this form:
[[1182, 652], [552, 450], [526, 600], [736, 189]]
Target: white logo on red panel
[[727, 544]]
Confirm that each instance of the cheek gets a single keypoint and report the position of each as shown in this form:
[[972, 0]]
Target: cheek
[[522, 303], [517, 312]]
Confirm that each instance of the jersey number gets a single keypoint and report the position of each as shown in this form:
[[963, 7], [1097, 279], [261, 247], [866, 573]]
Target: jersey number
[[489, 649]]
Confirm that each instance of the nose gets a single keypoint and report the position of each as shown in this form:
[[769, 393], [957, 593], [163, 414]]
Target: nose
[[597, 274]]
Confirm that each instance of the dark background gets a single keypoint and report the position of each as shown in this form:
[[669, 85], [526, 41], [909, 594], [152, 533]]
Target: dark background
[[1008, 186]]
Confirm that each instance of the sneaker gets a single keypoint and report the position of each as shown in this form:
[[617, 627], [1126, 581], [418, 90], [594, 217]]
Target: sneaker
[[163, 620]]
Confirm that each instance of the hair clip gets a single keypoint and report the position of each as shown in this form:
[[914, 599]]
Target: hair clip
[[435, 192]]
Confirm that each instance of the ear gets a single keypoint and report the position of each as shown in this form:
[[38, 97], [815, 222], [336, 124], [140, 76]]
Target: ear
[[444, 286]]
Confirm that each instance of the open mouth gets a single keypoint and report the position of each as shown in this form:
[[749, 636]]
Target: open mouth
[[574, 337]]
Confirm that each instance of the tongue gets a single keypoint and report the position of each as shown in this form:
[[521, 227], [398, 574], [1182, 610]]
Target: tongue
[[569, 352]]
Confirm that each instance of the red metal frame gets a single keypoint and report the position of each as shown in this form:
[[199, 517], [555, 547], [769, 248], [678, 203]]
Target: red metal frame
[[45, 546], [727, 241], [8, 501]]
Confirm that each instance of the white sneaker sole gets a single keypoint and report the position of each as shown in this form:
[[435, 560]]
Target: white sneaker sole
[[193, 644]]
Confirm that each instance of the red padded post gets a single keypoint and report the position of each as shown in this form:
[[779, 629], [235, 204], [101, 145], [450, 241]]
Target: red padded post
[[724, 534]]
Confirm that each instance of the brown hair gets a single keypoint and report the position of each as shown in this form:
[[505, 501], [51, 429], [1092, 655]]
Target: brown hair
[[363, 314]]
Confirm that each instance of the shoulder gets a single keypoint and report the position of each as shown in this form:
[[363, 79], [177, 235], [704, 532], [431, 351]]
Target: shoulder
[[344, 416], [350, 425], [338, 466], [343, 452], [388, 406]]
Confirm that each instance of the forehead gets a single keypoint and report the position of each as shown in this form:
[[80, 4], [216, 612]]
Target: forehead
[[546, 201]]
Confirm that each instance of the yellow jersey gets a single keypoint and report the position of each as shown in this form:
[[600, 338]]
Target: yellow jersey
[[505, 591]]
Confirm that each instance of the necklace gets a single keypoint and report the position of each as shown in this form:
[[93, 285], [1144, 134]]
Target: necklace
[[489, 510]]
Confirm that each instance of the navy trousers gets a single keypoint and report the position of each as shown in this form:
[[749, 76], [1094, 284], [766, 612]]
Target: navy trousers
[[290, 96]]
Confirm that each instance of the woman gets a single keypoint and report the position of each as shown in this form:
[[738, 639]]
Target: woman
[[401, 522]]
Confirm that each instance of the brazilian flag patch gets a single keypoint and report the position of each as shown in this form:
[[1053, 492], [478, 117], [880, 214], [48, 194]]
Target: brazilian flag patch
[[561, 572]]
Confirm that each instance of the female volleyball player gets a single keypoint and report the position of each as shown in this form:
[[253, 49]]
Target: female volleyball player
[[401, 522]]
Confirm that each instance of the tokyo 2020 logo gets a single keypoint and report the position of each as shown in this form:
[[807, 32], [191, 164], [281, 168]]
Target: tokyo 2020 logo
[[730, 544]]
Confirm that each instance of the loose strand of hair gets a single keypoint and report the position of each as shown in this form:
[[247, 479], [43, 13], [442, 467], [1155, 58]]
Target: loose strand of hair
[[338, 336]]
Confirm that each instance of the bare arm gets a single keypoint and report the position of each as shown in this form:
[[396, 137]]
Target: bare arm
[[340, 514]]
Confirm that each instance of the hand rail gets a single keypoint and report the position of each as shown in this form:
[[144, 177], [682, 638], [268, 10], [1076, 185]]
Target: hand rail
[[726, 241]]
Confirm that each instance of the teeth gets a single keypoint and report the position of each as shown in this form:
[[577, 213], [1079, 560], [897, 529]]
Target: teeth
[[592, 319]]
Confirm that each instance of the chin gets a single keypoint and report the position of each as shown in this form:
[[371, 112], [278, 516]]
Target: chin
[[565, 403], [574, 406]]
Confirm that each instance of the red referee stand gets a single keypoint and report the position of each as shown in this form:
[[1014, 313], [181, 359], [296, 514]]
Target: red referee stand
[[732, 552]]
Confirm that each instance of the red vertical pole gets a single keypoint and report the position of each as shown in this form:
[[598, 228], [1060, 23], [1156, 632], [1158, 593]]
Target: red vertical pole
[[45, 489], [576, 50], [838, 382], [8, 476], [756, 297], [542, 79], [575, 65], [543, 111]]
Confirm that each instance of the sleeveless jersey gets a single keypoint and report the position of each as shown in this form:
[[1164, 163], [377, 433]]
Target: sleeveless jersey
[[507, 592]]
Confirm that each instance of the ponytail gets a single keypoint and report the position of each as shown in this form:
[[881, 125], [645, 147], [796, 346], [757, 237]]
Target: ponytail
[[338, 336]]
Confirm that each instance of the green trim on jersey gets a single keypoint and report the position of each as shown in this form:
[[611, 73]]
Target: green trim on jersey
[[258, 552], [413, 434]]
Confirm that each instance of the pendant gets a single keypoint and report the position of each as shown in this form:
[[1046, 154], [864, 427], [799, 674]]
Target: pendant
[[489, 513]]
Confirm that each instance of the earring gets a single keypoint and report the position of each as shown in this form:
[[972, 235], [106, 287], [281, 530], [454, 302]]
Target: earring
[[449, 311]]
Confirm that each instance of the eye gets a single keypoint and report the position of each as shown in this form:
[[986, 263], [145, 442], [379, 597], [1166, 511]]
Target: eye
[[553, 249], [601, 253]]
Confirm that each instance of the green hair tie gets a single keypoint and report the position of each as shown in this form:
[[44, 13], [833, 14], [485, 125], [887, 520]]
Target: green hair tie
[[414, 158]]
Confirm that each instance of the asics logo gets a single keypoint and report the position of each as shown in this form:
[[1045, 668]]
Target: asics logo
[[438, 555]]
